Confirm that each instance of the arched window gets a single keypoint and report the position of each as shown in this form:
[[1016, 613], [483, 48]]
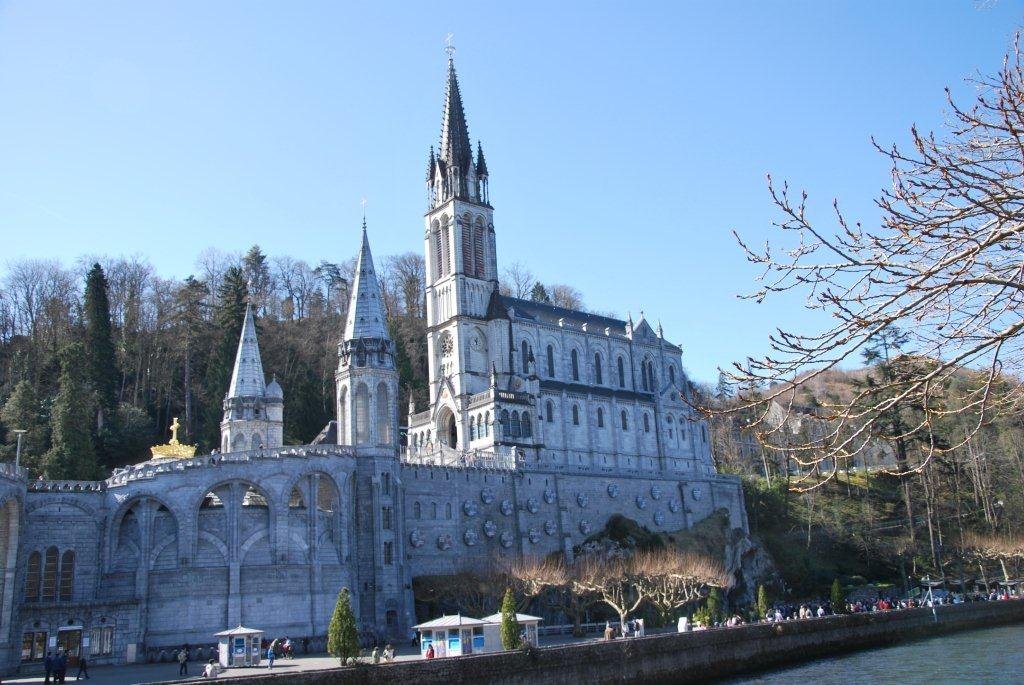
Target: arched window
[[49, 593], [575, 358], [417, 510], [647, 423], [448, 510], [650, 376], [672, 373], [35, 568], [515, 428], [383, 415], [257, 441], [598, 373], [433, 510], [67, 575], [487, 424], [435, 239], [342, 415], [575, 415], [478, 247], [525, 355], [551, 361], [704, 433], [625, 421], [362, 414], [527, 426], [622, 373], [600, 417], [504, 422], [549, 411], [467, 246], [472, 428], [446, 248]]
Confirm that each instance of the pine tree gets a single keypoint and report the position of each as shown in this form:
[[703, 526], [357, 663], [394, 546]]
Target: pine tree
[[228, 316], [72, 455], [99, 346], [257, 275], [342, 638], [24, 411], [714, 606], [540, 293], [509, 624], [837, 598], [762, 602]]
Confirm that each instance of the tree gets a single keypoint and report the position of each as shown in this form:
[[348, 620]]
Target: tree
[[714, 606], [228, 317], [565, 296], [23, 410], [763, 605], [257, 278], [99, 346], [837, 598], [670, 579], [509, 624], [944, 265], [517, 281], [539, 293], [612, 581], [342, 637], [72, 455]]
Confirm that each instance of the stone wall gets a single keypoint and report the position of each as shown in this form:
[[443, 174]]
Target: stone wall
[[675, 658]]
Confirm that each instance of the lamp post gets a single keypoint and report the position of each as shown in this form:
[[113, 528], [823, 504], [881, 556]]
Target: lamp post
[[17, 452]]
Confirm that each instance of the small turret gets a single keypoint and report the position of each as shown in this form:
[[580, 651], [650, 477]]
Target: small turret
[[253, 410]]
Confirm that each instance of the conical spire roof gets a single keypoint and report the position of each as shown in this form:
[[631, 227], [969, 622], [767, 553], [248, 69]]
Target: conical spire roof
[[455, 146], [481, 163], [247, 377], [366, 306]]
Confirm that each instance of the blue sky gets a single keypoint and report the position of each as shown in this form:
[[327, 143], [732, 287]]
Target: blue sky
[[625, 141]]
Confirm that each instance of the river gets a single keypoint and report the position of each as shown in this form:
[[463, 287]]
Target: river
[[989, 655]]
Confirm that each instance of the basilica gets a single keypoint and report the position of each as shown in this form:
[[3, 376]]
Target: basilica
[[542, 422]]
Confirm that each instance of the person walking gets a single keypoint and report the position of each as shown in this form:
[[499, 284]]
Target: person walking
[[183, 660], [430, 652], [61, 667], [83, 668], [609, 632], [212, 669], [375, 655], [270, 656], [48, 664]]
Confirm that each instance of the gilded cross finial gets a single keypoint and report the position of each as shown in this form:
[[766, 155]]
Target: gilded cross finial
[[448, 47], [174, 431]]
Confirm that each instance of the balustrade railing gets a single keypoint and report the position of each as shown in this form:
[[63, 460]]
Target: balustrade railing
[[500, 457]]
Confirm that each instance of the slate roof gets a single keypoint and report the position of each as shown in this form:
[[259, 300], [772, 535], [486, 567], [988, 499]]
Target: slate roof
[[366, 306], [247, 378]]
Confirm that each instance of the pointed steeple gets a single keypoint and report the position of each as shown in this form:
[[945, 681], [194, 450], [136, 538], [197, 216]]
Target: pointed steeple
[[455, 149], [431, 163], [366, 307], [481, 163], [247, 378]]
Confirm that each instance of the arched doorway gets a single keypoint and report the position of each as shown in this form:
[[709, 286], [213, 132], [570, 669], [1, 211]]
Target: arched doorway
[[447, 431]]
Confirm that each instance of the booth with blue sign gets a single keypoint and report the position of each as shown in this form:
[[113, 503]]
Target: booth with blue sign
[[452, 636], [239, 647]]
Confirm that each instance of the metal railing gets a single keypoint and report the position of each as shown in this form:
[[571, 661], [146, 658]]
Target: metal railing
[[500, 457]]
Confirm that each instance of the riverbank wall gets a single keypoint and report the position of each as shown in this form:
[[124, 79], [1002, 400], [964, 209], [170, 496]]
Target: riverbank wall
[[677, 657]]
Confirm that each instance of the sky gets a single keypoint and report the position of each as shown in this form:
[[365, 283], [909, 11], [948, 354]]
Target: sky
[[625, 141]]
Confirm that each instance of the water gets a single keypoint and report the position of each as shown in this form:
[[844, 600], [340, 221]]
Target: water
[[990, 655]]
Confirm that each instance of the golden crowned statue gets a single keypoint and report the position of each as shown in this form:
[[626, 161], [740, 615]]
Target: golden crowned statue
[[173, 449]]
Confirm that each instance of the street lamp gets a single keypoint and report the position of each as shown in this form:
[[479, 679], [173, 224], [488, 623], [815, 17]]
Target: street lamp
[[17, 453]]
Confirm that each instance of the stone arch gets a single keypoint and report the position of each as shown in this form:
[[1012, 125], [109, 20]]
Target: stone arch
[[256, 442], [164, 524], [447, 427]]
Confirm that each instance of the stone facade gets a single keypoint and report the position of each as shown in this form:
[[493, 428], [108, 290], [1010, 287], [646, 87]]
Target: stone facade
[[543, 422]]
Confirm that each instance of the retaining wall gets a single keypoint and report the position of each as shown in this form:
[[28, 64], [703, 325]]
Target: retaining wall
[[673, 658]]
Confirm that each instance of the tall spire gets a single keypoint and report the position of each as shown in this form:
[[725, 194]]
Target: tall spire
[[366, 307], [455, 150], [247, 378]]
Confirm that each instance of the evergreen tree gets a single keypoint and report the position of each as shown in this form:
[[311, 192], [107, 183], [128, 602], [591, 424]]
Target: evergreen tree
[[256, 274], [228, 317], [837, 598], [72, 455], [714, 606], [99, 346], [762, 602], [342, 638], [24, 411], [540, 293], [509, 624]]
